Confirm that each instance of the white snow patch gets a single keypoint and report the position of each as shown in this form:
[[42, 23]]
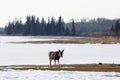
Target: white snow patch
[[56, 75]]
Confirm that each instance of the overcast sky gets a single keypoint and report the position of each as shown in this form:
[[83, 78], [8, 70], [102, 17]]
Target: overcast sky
[[68, 9]]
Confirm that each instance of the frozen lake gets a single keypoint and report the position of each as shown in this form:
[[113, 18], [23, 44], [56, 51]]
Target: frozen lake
[[11, 54]]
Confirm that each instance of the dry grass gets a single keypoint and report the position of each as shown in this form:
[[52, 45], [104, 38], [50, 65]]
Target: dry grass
[[68, 67], [76, 40]]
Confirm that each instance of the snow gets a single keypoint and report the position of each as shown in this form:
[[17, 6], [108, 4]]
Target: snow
[[57, 75], [11, 54], [5, 39]]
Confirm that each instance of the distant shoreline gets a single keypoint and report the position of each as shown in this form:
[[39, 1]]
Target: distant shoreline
[[67, 67], [71, 40]]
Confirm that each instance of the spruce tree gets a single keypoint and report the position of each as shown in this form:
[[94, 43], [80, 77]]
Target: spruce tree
[[73, 31]]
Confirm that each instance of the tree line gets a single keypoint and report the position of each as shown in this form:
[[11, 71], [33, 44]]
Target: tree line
[[34, 26], [115, 29], [52, 27]]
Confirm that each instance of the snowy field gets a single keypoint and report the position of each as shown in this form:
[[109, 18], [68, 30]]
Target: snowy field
[[13, 54], [57, 75]]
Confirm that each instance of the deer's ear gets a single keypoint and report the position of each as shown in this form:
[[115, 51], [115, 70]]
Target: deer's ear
[[63, 50], [59, 50]]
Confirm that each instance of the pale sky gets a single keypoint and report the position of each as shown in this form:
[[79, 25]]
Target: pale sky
[[68, 9]]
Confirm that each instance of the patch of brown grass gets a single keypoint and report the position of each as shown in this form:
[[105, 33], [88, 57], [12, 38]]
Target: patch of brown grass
[[76, 40], [68, 67]]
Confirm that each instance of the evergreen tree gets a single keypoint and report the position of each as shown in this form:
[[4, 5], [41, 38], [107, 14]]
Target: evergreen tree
[[73, 31], [116, 28], [32, 26], [26, 30], [37, 27], [67, 32], [60, 26], [48, 27], [18, 29], [43, 27], [11, 28], [53, 30], [112, 28]]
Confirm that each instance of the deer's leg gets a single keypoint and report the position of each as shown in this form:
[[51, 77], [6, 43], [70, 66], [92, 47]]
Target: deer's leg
[[58, 63], [55, 62], [50, 62]]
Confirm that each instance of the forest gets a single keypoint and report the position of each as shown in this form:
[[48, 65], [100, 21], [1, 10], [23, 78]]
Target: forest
[[52, 27], [33, 26]]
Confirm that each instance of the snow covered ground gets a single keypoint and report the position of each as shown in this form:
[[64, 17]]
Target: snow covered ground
[[57, 75], [5, 39], [11, 54]]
